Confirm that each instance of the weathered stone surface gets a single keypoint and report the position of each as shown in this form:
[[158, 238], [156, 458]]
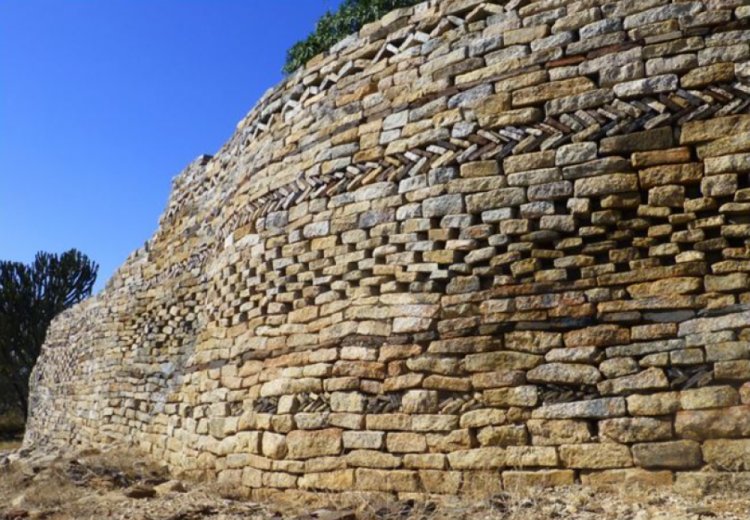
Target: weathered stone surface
[[575, 153], [504, 197], [709, 397], [530, 456], [586, 100], [480, 458], [529, 161], [703, 483], [521, 116], [647, 86], [501, 360], [650, 379], [664, 64], [658, 157], [273, 445], [711, 424], [725, 145], [482, 417], [606, 184], [670, 196], [363, 440], [635, 429], [727, 351], [732, 370], [517, 396], [633, 477], [597, 336], [443, 482], [657, 14], [533, 342], [554, 89], [347, 402], [670, 455], [638, 141], [697, 131], [595, 456], [594, 409], [386, 480], [727, 283], [556, 432], [678, 285], [420, 401], [670, 174], [644, 348], [496, 379], [703, 325], [317, 443], [444, 205], [340, 480], [519, 480], [508, 435], [405, 442], [479, 169], [617, 367], [610, 60], [702, 76], [574, 355], [719, 185], [564, 373], [464, 240], [372, 459], [727, 455], [661, 403]]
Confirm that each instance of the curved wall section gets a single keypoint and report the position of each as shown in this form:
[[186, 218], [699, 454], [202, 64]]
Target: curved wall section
[[477, 240]]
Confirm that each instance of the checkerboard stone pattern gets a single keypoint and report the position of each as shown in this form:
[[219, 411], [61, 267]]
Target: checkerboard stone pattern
[[477, 243]]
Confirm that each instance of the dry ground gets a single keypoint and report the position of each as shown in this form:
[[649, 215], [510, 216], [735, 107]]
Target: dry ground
[[120, 485], [9, 445]]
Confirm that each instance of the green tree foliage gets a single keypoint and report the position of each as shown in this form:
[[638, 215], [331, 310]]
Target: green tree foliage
[[30, 296], [335, 26]]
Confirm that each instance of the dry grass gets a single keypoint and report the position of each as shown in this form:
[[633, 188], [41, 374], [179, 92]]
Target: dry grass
[[11, 424], [572, 503], [9, 445], [11, 431], [93, 485]]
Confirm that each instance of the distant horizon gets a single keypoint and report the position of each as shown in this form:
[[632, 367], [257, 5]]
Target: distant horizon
[[103, 105]]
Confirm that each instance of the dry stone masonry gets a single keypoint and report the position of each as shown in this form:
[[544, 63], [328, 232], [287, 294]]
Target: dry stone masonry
[[479, 242]]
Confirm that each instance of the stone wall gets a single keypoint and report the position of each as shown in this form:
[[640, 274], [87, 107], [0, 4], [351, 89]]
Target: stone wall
[[476, 243]]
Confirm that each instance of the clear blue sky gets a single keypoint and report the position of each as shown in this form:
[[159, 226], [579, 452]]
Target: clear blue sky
[[102, 102]]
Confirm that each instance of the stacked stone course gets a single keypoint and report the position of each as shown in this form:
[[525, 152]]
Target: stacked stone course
[[477, 242]]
